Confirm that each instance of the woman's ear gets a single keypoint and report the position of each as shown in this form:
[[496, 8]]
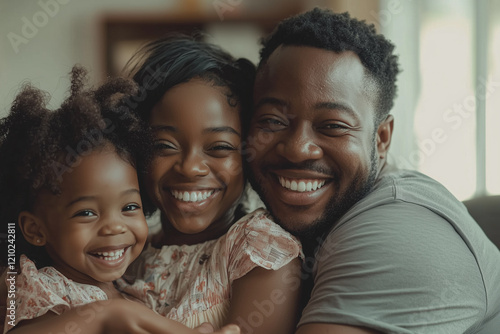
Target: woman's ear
[[384, 136], [32, 228]]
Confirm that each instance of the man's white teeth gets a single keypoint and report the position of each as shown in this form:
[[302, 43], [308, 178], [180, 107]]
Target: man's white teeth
[[191, 196], [301, 185], [111, 256]]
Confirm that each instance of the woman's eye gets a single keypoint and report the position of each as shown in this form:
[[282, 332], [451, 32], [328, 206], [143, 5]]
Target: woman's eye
[[222, 148], [162, 145], [131, 207]]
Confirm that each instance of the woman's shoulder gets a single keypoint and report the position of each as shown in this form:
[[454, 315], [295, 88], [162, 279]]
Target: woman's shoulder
[[259, 222], [256, 240]]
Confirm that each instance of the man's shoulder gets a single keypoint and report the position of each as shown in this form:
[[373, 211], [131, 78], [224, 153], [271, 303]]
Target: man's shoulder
[[404, 196], [410, 187]]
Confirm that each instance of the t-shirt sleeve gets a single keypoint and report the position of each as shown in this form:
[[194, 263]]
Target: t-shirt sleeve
[[256, 241], [397, 268]]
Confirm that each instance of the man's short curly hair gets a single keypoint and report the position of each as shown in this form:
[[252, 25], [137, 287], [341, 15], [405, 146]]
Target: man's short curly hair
[[321, 28], [38, 145]]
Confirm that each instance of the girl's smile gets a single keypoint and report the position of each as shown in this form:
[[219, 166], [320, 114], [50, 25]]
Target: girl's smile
[[95, 228]]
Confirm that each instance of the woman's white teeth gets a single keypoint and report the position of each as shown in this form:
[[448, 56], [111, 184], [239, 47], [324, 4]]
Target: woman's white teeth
[[191, 196], [301, 185], [110, 256]]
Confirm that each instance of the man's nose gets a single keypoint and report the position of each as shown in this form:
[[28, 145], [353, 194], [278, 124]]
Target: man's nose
[[299, 145]]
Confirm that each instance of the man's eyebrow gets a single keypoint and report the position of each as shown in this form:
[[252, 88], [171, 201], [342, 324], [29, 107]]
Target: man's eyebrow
[[217, 129], [164, 128], [269, 100], [336, 106]]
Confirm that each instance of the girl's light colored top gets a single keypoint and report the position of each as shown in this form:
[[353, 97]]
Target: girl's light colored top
[[192, 283], [44, 290]]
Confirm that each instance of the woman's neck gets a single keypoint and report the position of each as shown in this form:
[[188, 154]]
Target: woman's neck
[[171, 236]]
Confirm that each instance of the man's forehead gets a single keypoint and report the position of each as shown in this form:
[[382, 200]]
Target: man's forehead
[[313, 66]]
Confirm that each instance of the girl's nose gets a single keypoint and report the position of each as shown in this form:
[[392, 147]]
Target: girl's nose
[[113, 226]]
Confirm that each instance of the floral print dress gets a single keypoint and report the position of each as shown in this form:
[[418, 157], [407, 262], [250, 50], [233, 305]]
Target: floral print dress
[[192, 283], [39, 291]]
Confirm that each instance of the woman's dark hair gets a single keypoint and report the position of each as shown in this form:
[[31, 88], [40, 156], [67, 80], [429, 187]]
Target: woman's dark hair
[[177, 58], [38, 145], [323, 29]]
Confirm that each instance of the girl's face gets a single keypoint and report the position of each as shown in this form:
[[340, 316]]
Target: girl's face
[[95, 228], [196, 176]]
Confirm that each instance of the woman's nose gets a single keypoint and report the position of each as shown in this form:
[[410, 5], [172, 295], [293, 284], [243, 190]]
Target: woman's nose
[[192, 165]]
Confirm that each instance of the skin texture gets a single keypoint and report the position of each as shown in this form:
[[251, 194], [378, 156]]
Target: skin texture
[[116, 316], [314, 121], [198, 147], [98, 210], [197, 150]]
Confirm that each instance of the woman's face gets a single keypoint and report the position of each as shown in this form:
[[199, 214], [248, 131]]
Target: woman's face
[[196, 175]]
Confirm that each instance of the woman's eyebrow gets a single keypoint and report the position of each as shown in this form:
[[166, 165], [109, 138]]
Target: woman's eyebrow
[[222, 129]]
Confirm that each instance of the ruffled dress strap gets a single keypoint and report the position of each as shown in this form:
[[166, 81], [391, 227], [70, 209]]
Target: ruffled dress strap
[[46, 290], [257, 241]]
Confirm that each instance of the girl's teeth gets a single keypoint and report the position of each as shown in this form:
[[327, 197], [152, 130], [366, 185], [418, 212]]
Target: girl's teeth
[[111, 256], [193, 196], [301, 186]]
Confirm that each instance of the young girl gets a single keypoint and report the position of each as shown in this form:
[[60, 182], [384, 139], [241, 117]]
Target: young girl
[[209, 262], [68, 177]]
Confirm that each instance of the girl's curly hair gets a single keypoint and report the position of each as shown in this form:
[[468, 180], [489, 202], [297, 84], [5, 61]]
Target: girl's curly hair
[[38, 145]]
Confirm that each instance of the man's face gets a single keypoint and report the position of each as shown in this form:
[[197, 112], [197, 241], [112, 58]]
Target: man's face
[[313, 147]]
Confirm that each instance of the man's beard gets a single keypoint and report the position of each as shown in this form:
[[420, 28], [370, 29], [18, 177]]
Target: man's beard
[[337, 206]]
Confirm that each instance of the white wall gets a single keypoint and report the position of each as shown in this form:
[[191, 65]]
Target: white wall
[[68, 34]]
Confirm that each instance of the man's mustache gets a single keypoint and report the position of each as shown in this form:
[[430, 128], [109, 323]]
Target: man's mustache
[[310, 166]]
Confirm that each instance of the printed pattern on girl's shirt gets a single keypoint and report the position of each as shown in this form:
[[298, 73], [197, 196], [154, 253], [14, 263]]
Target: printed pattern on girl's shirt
[[192, 283]]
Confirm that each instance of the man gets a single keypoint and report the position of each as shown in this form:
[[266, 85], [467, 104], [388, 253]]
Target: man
[[397, 253]]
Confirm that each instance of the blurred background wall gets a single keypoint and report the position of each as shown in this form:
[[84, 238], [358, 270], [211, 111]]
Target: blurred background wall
[[447, 112]]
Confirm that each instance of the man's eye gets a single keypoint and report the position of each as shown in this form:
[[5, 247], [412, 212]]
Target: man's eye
[[131, 207], [334, 129], [271, 124]]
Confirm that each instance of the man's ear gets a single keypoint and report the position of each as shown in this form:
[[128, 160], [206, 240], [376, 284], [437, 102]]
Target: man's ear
[[384, 136], [32, 228]]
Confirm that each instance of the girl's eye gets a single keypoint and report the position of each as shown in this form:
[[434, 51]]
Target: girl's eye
[[85, 213], [131, 207]]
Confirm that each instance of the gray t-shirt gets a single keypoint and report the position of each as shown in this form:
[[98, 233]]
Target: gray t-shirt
[[408, 258]]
